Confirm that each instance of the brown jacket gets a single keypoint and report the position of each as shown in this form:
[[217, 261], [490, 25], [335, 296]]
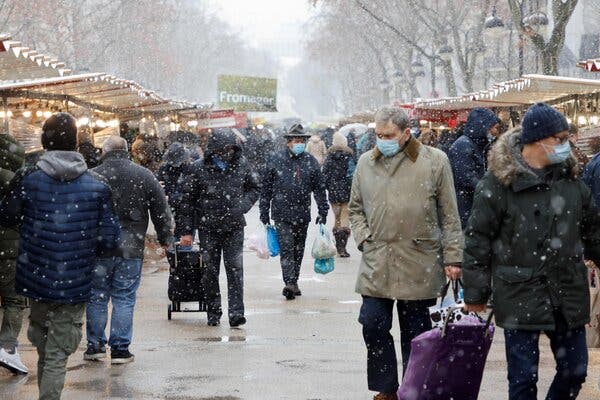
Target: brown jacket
[[404, 216]]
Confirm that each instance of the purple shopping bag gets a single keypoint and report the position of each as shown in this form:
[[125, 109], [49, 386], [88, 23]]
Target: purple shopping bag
[[448, 363]]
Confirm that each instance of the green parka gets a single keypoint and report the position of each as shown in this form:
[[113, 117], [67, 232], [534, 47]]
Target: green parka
[[12, 157], [526, 241]]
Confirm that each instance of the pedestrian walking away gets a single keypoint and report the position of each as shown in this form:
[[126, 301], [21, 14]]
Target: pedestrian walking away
[[291, 176], [175, 165], [117, 273], [316, 148], [337, 172], [215, 198], [57, 255], [468, 157], [405, 221], [12, 157], [533, 224]]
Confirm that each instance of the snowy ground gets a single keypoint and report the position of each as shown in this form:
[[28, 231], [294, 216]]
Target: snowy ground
[[310, 348]]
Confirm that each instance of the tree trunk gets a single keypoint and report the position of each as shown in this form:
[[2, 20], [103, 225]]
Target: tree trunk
[[550, 61], [449, 75]]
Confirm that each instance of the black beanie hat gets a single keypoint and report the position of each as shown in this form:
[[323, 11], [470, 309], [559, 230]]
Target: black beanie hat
[[60, 132]]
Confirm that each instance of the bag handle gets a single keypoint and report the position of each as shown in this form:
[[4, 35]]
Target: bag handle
[[452, 309], [456, 285]]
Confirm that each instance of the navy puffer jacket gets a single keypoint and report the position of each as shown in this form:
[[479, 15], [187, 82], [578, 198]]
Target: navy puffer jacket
[[468, 158], [66, 216]]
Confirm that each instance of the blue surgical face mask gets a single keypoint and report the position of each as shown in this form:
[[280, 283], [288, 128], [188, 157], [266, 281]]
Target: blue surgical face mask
[[389, 147], [220, 163], [560, 152], [298, 148]]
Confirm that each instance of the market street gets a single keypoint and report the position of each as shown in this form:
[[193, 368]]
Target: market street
[[309, 348]]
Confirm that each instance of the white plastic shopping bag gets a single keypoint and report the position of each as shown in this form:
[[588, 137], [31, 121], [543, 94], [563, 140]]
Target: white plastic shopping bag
[[258, 242], [323, 246]]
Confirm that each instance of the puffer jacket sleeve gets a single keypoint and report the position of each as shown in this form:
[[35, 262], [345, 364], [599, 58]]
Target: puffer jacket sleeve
[[452, 237], [358, 218], [266, 193], [318, 188], [251, 188], [109, 228], [482, 229], [160, 212], [590, 230]]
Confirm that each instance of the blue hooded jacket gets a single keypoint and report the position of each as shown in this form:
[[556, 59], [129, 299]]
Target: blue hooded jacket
[[66, 216], [467, 157]]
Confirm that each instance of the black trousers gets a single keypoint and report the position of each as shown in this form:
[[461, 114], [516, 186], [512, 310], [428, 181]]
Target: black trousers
[[231, 245], [376, 316], [292, 240]]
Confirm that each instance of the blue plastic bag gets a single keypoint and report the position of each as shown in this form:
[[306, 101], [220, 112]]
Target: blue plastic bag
[[272, 240], [324, 265]]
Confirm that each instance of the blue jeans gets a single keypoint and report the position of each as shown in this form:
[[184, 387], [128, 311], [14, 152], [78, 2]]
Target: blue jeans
[[117, 279], [376, 316], [523, 356]]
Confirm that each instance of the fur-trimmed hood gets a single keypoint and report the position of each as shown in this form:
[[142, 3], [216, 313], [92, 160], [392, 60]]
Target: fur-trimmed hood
[[338, 148], [506, 162]]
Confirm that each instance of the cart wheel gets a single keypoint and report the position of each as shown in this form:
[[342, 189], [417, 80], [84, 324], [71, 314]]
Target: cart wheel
[[169, 312]]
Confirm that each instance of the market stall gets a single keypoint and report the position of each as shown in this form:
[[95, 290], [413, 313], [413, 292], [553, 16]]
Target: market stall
[[578, 99]]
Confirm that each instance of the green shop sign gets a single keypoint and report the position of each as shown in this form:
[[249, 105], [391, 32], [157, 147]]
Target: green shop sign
[[245, 93]]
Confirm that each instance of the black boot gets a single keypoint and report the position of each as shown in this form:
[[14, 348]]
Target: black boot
[[344, 235]]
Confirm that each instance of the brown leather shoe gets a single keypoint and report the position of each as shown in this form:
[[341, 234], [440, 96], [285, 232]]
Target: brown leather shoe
[[385, 396]]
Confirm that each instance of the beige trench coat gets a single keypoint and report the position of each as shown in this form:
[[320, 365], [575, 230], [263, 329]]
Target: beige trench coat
[[404, 216]]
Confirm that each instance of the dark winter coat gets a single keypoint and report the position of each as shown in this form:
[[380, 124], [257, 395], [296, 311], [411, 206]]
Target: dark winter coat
[[12, 157], [526, 241], [136, 192], [467, 157], [327, 137], [591, 176], [287, 185], [66, 215], [90, 153], [337, 173], [216, 200], [175, 166]]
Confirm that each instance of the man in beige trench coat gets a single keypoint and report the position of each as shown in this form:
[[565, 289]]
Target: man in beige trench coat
[[405, 220]]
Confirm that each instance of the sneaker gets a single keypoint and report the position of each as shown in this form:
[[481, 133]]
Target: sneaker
[[121, 357], [297, 291], [213, 321], [94, 354], [237, 321], [12, 362], [288, 292]]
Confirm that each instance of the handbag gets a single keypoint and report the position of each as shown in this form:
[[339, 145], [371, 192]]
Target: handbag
[[449, 306], [448, 363], [592, 330]]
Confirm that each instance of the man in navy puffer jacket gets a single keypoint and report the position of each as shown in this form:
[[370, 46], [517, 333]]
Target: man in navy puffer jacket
[[65, 213], [468, 157]]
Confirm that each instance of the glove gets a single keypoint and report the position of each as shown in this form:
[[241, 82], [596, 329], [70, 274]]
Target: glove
[[321, 220], [265, 219]]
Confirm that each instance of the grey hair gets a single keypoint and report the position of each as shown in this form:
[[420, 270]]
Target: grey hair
[[396, 115], [113, 143]]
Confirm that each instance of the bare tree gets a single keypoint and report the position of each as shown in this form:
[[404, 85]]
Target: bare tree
[[550, 49]]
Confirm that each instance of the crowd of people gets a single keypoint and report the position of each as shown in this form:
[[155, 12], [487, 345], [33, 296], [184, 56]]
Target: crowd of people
[[506, 211]]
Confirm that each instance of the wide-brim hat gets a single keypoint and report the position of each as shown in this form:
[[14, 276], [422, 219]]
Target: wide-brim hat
[[296, 131]]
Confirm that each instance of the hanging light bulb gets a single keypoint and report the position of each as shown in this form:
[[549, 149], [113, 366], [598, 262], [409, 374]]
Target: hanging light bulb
[[582, 120], [113, 123], [27, 114], [100, 123], [47, 114], [192, 124], [39, 113], [83, 121]]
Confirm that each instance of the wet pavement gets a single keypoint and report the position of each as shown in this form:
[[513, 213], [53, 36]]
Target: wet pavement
[[310, 348]]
